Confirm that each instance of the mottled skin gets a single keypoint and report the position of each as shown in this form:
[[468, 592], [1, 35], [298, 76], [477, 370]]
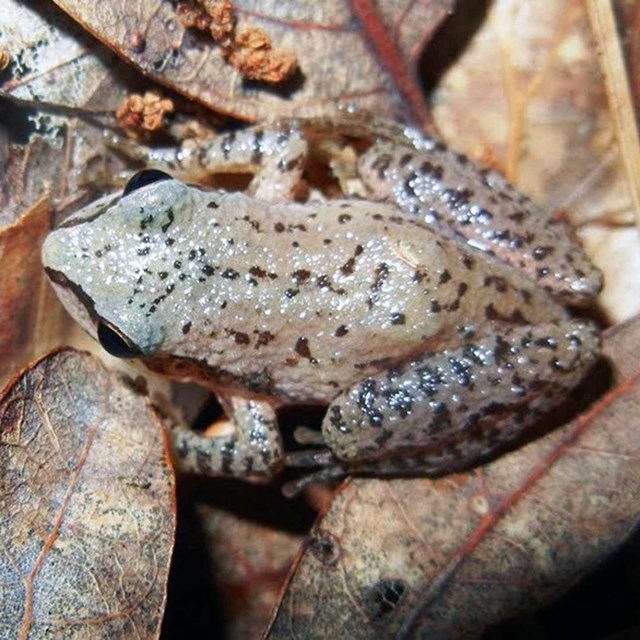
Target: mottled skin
[[429, 352]]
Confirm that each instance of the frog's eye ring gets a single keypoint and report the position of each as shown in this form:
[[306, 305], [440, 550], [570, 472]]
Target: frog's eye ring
[[115, 343], [143, 178]]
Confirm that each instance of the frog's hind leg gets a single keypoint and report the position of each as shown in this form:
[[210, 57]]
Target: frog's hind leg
[[247, 444], [443, 411]]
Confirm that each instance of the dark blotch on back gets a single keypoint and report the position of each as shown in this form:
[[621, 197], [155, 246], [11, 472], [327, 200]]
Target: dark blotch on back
[[301, 275], [445, 276], [347, 267], [240, 337], [381, 273], [258, 272], [302, 349], [434, 170], [170, 219]]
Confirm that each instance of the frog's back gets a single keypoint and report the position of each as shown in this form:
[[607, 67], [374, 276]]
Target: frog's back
[[312, 298]]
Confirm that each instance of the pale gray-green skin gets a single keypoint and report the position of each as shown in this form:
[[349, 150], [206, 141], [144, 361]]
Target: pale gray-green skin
[[429, 352]]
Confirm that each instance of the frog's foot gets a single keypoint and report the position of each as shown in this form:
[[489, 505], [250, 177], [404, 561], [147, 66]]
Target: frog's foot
[[328, 469], [248, 444], [448, 410]]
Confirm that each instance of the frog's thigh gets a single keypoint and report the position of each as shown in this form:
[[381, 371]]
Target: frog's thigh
[[457, 405], [249, 445]]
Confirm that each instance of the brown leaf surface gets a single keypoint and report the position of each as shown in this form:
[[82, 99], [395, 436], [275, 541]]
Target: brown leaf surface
[[29, 324], [49, 150], [446, 559], [86, 508], [252, 561], [235, 544], [628, 14], [351, 54]]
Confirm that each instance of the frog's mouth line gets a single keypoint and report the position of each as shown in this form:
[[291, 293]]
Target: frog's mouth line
[[57, 277]]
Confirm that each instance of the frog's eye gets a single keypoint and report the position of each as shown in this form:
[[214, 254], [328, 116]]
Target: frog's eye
[[143, 178], [115, 343]]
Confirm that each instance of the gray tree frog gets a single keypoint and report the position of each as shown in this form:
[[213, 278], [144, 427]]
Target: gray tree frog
[[427, 316]]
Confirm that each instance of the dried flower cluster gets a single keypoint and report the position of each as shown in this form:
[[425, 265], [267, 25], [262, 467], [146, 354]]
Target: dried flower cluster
[[248, 49], [145, 112]]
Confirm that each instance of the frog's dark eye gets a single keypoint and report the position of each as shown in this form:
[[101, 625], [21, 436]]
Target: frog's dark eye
[[115, 343], [143, 178]]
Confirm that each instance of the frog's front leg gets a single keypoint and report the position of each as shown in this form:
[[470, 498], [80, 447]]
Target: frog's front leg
[[274, 155], [249, 444], [443, 411]]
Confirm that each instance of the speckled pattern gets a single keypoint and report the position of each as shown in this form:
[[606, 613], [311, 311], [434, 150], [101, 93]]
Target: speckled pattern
[[460, 199], [348, 303]]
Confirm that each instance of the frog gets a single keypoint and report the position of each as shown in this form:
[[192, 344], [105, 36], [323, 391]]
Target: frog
[[430, 312]]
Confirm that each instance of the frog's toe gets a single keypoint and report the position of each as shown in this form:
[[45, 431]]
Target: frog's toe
[[309, 458], [328, 474], [584, 289]]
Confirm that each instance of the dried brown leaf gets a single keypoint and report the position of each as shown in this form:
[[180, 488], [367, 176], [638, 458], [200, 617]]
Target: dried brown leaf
[[29, 324], [350, 54], [56, 73], [615, 44], [86, 508], [446, 559], [252, 561], [628, 22]]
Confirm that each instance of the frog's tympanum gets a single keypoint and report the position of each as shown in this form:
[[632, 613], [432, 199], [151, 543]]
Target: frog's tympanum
[[427, 316]]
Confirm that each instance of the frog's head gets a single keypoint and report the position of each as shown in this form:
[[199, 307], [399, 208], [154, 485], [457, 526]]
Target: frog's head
[[113, 264]]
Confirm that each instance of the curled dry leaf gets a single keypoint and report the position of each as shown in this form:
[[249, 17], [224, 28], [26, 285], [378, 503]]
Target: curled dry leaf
[[446, 559], [350, 54], [86, 508], [29, 324]]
